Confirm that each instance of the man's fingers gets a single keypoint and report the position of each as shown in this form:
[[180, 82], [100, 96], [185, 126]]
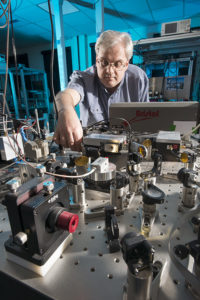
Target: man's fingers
[[69, 132], [70, 139], [67, 140], [64, 141], [77, 137], [77, 146], [61, 140], [56, 138]]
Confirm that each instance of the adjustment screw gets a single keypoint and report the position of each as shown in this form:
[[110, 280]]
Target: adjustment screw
[[13, 184], [20, 238], [48, 186], [41, 170], [181, 251]]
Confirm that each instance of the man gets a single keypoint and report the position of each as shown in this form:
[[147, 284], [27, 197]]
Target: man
[[111, 80]]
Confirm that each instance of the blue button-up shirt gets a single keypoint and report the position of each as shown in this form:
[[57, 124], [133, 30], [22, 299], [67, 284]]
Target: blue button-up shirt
[[95, 99]]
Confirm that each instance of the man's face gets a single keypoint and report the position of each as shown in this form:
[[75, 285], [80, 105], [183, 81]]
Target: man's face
[[111, 66]]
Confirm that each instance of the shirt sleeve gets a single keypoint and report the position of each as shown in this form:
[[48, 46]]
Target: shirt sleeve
[[144, 88], [77, 83]]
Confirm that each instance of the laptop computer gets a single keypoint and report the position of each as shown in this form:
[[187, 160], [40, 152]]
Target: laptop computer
[[154, 116]]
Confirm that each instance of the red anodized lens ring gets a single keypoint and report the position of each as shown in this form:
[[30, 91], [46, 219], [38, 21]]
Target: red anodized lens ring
[[67, 221]]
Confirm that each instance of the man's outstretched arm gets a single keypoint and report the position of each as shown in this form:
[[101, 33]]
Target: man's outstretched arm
[[68, 131]]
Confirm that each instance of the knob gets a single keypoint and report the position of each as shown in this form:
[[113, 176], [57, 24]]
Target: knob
[[153, 195], [67, 221], [59, 218], [41, 170], [48, 186], [13, 184], [20, 238]]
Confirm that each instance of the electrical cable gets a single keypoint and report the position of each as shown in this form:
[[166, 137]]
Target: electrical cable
[[4, 10], [7, 59], [49, 173], [17, 154], [17, 6], [16, 142], [106, 121], [4, 26], [8, 166], [194, 129], [15, 58], [117, 118], [52, 60], [19, 123], [72, 176], [29, 127], [124, 120], [24, 138], [96, 123]]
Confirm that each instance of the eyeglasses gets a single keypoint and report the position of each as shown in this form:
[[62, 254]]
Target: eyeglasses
[[118, 65]]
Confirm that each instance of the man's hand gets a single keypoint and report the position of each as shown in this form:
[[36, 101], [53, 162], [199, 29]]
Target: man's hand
[[69, 132]]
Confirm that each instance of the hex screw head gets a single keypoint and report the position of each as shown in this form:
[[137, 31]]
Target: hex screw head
[[13, 184], [48, 186], [41, 170]]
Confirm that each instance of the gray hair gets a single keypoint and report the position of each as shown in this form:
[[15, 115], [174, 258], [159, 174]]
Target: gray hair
[[110, 38]]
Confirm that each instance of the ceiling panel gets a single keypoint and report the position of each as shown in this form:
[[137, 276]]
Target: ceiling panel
[[123, 24], [32, 24], [20, 23], [46, 25], [71, 31], [76, 17], [36, 2], [119, 25], [33, 14], [20, 4], [87, 12], [113, 1], [130, 7], [192, 9], [85, 28], [123, 15], [168, 14], [157, 4], [34, 30]]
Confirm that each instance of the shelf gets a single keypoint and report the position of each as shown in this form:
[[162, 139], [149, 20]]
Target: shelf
[[180, 42]]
